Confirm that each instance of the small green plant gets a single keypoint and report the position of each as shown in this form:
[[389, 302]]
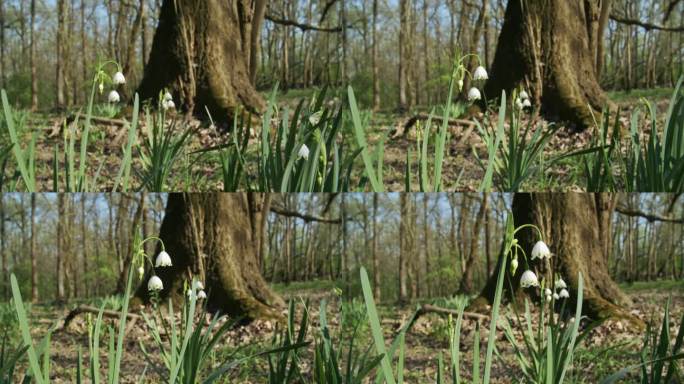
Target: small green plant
[[660, 356], [24, 157], [284, 362], [658, 165]]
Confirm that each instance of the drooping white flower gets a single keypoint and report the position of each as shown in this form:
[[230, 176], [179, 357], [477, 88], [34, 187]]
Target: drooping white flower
[[519, 104], [119, 79], [101, 87], [527, 103], [529, 279], [564, 293], [548, 292], [540, 251], [474, 94], [303, 152], [155, 284], [560, 284], [480, 74], [114, 97], [201, 295], [141, 272], [460, 84], [163, 260], [548, 298], [198, 285], [555, 296], [168, 104], [523, 95], [167, 96]]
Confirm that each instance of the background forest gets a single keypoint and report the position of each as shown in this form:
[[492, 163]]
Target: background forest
[[65, 247], [49, 48]]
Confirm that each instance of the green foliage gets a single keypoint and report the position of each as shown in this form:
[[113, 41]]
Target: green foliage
[[660, 356], [283, 365], [658, 165]]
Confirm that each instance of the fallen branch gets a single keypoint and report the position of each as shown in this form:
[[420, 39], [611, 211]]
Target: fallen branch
[[88, 309], [428, 308], [60, 124], [403, 128]]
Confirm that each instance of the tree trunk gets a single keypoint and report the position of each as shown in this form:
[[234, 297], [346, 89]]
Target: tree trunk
[[200, 53], [570, 226], [60, 45], [217, 229], [34, 76], [549, 47], [34, 261], [374, 59]]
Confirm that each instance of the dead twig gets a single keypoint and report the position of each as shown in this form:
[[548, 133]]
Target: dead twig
[[403, 127], [88, 309]]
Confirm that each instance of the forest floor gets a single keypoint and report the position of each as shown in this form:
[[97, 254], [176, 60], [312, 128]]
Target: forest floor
[[608, 349], [202, 172]]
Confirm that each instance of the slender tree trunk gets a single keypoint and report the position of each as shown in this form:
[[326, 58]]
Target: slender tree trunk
[[216, 227], [405, 7], [34, 77], [467, 284], [374, 59], [34, 259], [60, 45], [3, 74]]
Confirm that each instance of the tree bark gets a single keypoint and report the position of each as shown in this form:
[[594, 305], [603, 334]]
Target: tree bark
[[549, 48], [34, 76], [200, 53], [216, 228], [570, 226]]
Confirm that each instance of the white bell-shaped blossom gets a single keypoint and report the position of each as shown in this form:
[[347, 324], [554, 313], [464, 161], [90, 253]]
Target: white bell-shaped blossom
[[114, 97], [560, 284], [480, 74], [303, 152], [141, 272], [548, 292], [119, 79], [163, 260], [167, 96], [519, 104], [555, 296], [523, 95], [460, 84], [527, 103], [474, 94], [189, 293], [198, 285], [155, 284], [168, 104], [201, 295], [564, 293], [514, 265], [541, 251], [529, 279]]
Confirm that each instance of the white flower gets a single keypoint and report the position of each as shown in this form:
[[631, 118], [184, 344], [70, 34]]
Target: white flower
[[529, 279], [474, 94], [114, 97], [119, 79], [315, 118], [167, 96], [564, 293], [560, 284], [201, 295], [141, 271], [189, 293], [548, 298], [303, 152], [168, 104], [548, 292], [198, 285], [460, 84], [524, 95], [555, 296], [541, 251], [155, 284], [527, 103], [101, 87], [163, 260], [519, 104], [480, 74]]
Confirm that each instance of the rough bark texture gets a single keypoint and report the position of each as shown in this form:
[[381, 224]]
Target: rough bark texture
[[211, 236], [201, 54], [571, 225], [549, 47]]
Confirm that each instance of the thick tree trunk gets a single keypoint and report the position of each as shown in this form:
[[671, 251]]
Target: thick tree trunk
[[549, 47], [571, 227], [213, 233], [200, 53]]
